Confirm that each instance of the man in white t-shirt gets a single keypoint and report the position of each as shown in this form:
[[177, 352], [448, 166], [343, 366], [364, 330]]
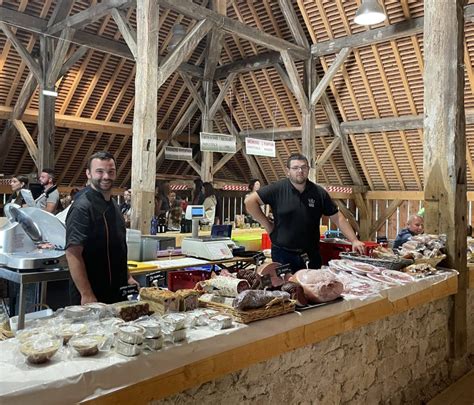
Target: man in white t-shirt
[[49, 199]]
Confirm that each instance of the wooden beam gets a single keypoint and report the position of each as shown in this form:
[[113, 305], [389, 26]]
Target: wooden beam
[[329, 75], [183, 50], [191, 163], [370, 37], [294, 25], [256, 62], [57, 62], [296, 85], [27, 139], [22, 51], [144, 120], [220, 97], [192, 10], [128, 33], [88, 15], [347, 214], [75, 57], [444, 146], [322, 159], [192, 90], [387, 214]]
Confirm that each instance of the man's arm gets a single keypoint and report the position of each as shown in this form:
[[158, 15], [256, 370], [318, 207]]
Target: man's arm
[[50, 207], [252, 205], [77, 268], [348, 232]]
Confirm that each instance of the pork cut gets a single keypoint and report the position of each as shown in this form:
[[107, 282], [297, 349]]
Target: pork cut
[[318, 285]]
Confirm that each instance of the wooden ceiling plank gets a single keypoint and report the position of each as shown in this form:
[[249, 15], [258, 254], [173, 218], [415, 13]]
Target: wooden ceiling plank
[[278, 104], [79, 171], [57, 61], [63, 144], [229, 25], [409, 155], [72, 60], [287, 87], [377, 161], [296, 85], [74, 153], [331, 161], [294, 25], [389, 149], [307, 21], [360, 158], [249, 99], [128, 33]]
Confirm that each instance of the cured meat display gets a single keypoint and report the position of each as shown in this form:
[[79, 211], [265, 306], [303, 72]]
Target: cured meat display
[[296, 292], [225, 286], [318, 285], [269, 270], [251, 299], [398, 276]]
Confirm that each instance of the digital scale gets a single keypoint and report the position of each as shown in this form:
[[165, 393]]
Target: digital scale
[[21, 237], [205, 247]]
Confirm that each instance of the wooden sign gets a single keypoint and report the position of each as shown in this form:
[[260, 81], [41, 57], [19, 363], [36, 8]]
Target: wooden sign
[[173, 153], [259, 147], [218, 143]]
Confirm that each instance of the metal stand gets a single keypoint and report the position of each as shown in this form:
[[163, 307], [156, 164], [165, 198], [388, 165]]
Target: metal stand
[[39, 276]]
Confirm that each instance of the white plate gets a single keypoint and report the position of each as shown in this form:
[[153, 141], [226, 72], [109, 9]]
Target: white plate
[[398, 276], [359, 267]]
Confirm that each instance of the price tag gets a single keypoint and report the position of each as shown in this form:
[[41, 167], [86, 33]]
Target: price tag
[[305, 258], [128, 290], [156, 279], [283, 269], [259, 258]]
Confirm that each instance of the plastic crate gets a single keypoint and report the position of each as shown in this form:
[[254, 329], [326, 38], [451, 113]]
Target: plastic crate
[[266, 242], [186, 279], [369, 246], [330, 250]]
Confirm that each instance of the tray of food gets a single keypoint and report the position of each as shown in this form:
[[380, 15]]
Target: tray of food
[[391, 263]]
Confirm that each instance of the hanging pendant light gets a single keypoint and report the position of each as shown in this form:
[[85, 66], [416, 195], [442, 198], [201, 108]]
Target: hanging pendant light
[[370, 12]]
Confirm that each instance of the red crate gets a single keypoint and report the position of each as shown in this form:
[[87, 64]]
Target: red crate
[[331, 250], [266, 242], [185, 279], [369, 246]]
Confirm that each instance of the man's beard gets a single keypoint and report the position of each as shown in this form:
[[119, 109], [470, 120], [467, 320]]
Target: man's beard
[[105, 186]]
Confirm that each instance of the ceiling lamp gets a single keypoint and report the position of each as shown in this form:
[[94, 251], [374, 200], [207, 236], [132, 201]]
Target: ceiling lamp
[[370, 12], [178, 33]]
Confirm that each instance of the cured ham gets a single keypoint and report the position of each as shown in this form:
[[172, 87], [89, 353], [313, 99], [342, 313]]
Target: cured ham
[[318, 285]]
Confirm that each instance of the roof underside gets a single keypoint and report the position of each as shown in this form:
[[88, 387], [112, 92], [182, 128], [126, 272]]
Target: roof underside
[[384, 80]]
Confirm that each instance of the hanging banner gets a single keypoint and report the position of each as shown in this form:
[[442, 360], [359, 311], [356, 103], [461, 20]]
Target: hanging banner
[[260, 147], [173, 153], [218, 143]]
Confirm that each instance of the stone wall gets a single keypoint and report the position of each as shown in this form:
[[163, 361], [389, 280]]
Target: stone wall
[[400, 359]]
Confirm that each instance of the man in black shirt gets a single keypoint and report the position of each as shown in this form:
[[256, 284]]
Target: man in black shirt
[[297, 205], [96, 248]]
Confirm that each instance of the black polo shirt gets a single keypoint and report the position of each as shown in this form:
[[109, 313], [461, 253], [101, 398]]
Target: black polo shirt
[[98, 226], [297, 215]]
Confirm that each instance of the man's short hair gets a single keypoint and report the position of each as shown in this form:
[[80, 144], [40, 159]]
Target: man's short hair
[[50, 172], [103, 155], [295, 156]]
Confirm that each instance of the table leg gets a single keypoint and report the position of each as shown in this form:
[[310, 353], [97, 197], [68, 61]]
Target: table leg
[[21, 309]]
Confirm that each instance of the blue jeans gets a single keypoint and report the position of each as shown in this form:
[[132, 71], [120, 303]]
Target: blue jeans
[[294, 259]]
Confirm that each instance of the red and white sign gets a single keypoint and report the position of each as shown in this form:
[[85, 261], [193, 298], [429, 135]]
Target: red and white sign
[[259, 147], [338, 189], [235, 187]]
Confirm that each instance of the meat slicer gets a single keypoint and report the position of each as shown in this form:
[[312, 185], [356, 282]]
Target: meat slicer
[[26, 234]]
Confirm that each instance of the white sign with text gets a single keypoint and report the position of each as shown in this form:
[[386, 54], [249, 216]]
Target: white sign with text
[[218, 143], [173, 153], [259, 147]]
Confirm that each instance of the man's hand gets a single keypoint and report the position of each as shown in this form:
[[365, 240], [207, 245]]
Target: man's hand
[[132, 281], [358, 246], [88, 298]]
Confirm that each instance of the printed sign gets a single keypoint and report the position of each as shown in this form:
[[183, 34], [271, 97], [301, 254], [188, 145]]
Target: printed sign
[[260, 147], [218, 143], [156, 279], [173, 153]]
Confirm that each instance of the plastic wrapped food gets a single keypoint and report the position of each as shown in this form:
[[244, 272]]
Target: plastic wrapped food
[[319, 285], [130, 333], [99, 309], [174, 322], [131, 310], [252, 299], [225, 286], [77, 312], [127, 349], [152, 327], [218, 322], [39, 349], [153, 343], [86, 345], [67, 331]]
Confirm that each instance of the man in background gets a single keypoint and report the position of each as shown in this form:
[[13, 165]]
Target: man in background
[[96, 248], [49, 199]]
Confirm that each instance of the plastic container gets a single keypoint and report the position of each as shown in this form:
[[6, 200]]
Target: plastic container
[[331, 249], [29, 318], [186, 279], [266, 242], [369, 247], [251, 242]]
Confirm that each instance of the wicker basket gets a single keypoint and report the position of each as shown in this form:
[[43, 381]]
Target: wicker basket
[[396, 263], [253, 315], [432, 261]]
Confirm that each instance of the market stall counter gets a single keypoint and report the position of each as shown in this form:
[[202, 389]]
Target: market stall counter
[[205, 355]]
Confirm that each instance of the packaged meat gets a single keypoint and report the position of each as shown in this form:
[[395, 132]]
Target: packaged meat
[[318, 285], [40, 348], [131, 333], [174, 322], [252, 299], [381, 278], [86, 345], [398, 276], [152, 327], [160, 301], [155, 343], [269, 272], [218, 322], [225, 286], [127, 349]]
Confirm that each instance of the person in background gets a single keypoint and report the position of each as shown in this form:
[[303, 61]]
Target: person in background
[[162, 204], [414, 227], [175, 213], [96, 248], [68, 199], [126, 206], [297, 205], [210, 204], [49, 199], [17, 183], [254, 186], [197, 197]]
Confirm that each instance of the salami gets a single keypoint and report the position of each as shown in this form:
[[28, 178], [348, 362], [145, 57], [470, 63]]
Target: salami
[[252, 299], [225, 286]]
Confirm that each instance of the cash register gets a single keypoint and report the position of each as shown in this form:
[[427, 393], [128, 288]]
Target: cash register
[[205, 247]]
